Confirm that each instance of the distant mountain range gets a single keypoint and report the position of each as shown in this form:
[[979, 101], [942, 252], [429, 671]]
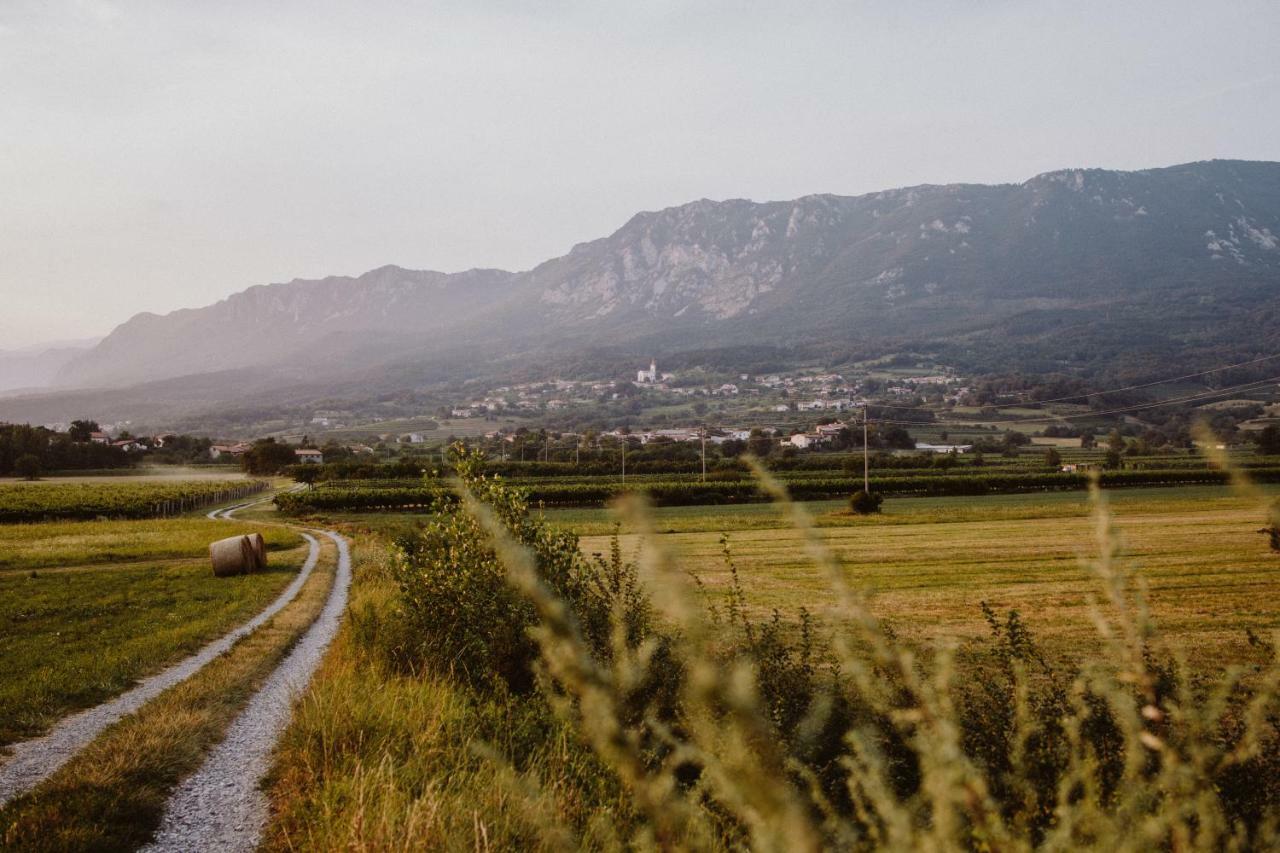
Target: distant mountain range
[[34, 367], [1071, 270]]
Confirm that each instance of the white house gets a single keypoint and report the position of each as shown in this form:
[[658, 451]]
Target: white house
[[944, 448], [804, 441], [308, 456]]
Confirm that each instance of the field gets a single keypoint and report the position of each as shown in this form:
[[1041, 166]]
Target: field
[[141, 474], [930, 562], [86, 608], [116, 498]]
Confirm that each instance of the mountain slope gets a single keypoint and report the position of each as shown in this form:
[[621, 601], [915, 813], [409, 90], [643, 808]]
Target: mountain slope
[[35, 367], [1066, 268], [291, 322]]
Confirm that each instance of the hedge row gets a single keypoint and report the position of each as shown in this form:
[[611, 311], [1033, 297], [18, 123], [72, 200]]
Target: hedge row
[[688, 493]]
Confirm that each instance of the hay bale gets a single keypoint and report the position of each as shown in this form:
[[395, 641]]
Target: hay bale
[[259, 550], [232, 556]]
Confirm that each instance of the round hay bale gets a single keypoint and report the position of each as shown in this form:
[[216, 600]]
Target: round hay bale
[[259, 546], [231, 556]]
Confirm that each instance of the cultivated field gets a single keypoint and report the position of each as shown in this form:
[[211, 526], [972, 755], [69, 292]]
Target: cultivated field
[[118, 498], [929, 563], [87, 608]]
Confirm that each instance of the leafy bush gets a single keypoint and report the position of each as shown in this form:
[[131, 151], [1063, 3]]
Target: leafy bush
[[865, 503], [464, 615]]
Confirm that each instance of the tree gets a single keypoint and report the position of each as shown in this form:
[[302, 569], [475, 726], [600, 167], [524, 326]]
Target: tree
[[759, 443], [268, 456], [27, 466], [82, 431], [1269, 441], [1052, 458], [306, 473], [1112, 460], [1115, 441]]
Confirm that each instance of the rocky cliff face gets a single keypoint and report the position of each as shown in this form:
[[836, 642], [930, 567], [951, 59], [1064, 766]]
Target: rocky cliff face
[[1184, 255]]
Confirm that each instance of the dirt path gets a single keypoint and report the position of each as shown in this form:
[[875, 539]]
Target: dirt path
[[222, 806], [31, 762]]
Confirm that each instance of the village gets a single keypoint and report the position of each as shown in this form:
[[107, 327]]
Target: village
[[799, 410]]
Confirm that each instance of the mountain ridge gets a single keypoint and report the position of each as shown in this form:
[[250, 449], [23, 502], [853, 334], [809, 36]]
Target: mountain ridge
[[974, 271]]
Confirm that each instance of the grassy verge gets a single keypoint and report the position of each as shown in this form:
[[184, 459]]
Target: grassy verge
[[380, 759], [71, 639], [112, 795]]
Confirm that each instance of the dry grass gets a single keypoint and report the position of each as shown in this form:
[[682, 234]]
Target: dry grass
[[112, 795], [376, 759], [1209, 573]]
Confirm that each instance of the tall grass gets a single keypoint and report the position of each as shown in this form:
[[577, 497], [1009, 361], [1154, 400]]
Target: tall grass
[[693, 726]]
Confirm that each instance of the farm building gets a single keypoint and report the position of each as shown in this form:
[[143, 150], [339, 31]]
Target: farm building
[[309, 456]]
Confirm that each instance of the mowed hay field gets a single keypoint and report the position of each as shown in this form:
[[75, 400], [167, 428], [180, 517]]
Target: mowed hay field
[[87, 608], [930, 563]]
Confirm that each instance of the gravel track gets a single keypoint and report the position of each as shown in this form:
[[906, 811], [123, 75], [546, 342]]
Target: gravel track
[[222, 806], [31, 762]]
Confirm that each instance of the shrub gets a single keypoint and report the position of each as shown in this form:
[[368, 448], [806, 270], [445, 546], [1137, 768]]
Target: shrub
[[460, 609], [865, 503]]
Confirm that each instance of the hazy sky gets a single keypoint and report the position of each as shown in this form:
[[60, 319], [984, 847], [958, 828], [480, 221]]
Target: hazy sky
[[157, 155]]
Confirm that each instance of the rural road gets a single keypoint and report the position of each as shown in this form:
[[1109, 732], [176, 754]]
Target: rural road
[[32, 761], [221, 807]]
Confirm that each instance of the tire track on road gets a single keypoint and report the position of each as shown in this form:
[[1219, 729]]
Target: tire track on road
[[222, 805]]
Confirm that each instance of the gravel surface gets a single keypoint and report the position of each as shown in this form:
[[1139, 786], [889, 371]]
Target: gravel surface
[[32, 761], [222, 806]]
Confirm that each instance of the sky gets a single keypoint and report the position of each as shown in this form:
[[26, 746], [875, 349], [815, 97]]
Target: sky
[[160, 155]]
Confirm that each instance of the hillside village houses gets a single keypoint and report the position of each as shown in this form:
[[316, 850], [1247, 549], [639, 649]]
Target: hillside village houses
[[235, 451]]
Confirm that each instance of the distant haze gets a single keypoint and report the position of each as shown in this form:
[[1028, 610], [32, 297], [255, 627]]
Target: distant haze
[[164, 155]]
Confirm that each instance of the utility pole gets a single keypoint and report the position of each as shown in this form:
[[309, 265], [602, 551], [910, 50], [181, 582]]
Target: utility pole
[[624, 459], [704, 453], [866, 471]]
